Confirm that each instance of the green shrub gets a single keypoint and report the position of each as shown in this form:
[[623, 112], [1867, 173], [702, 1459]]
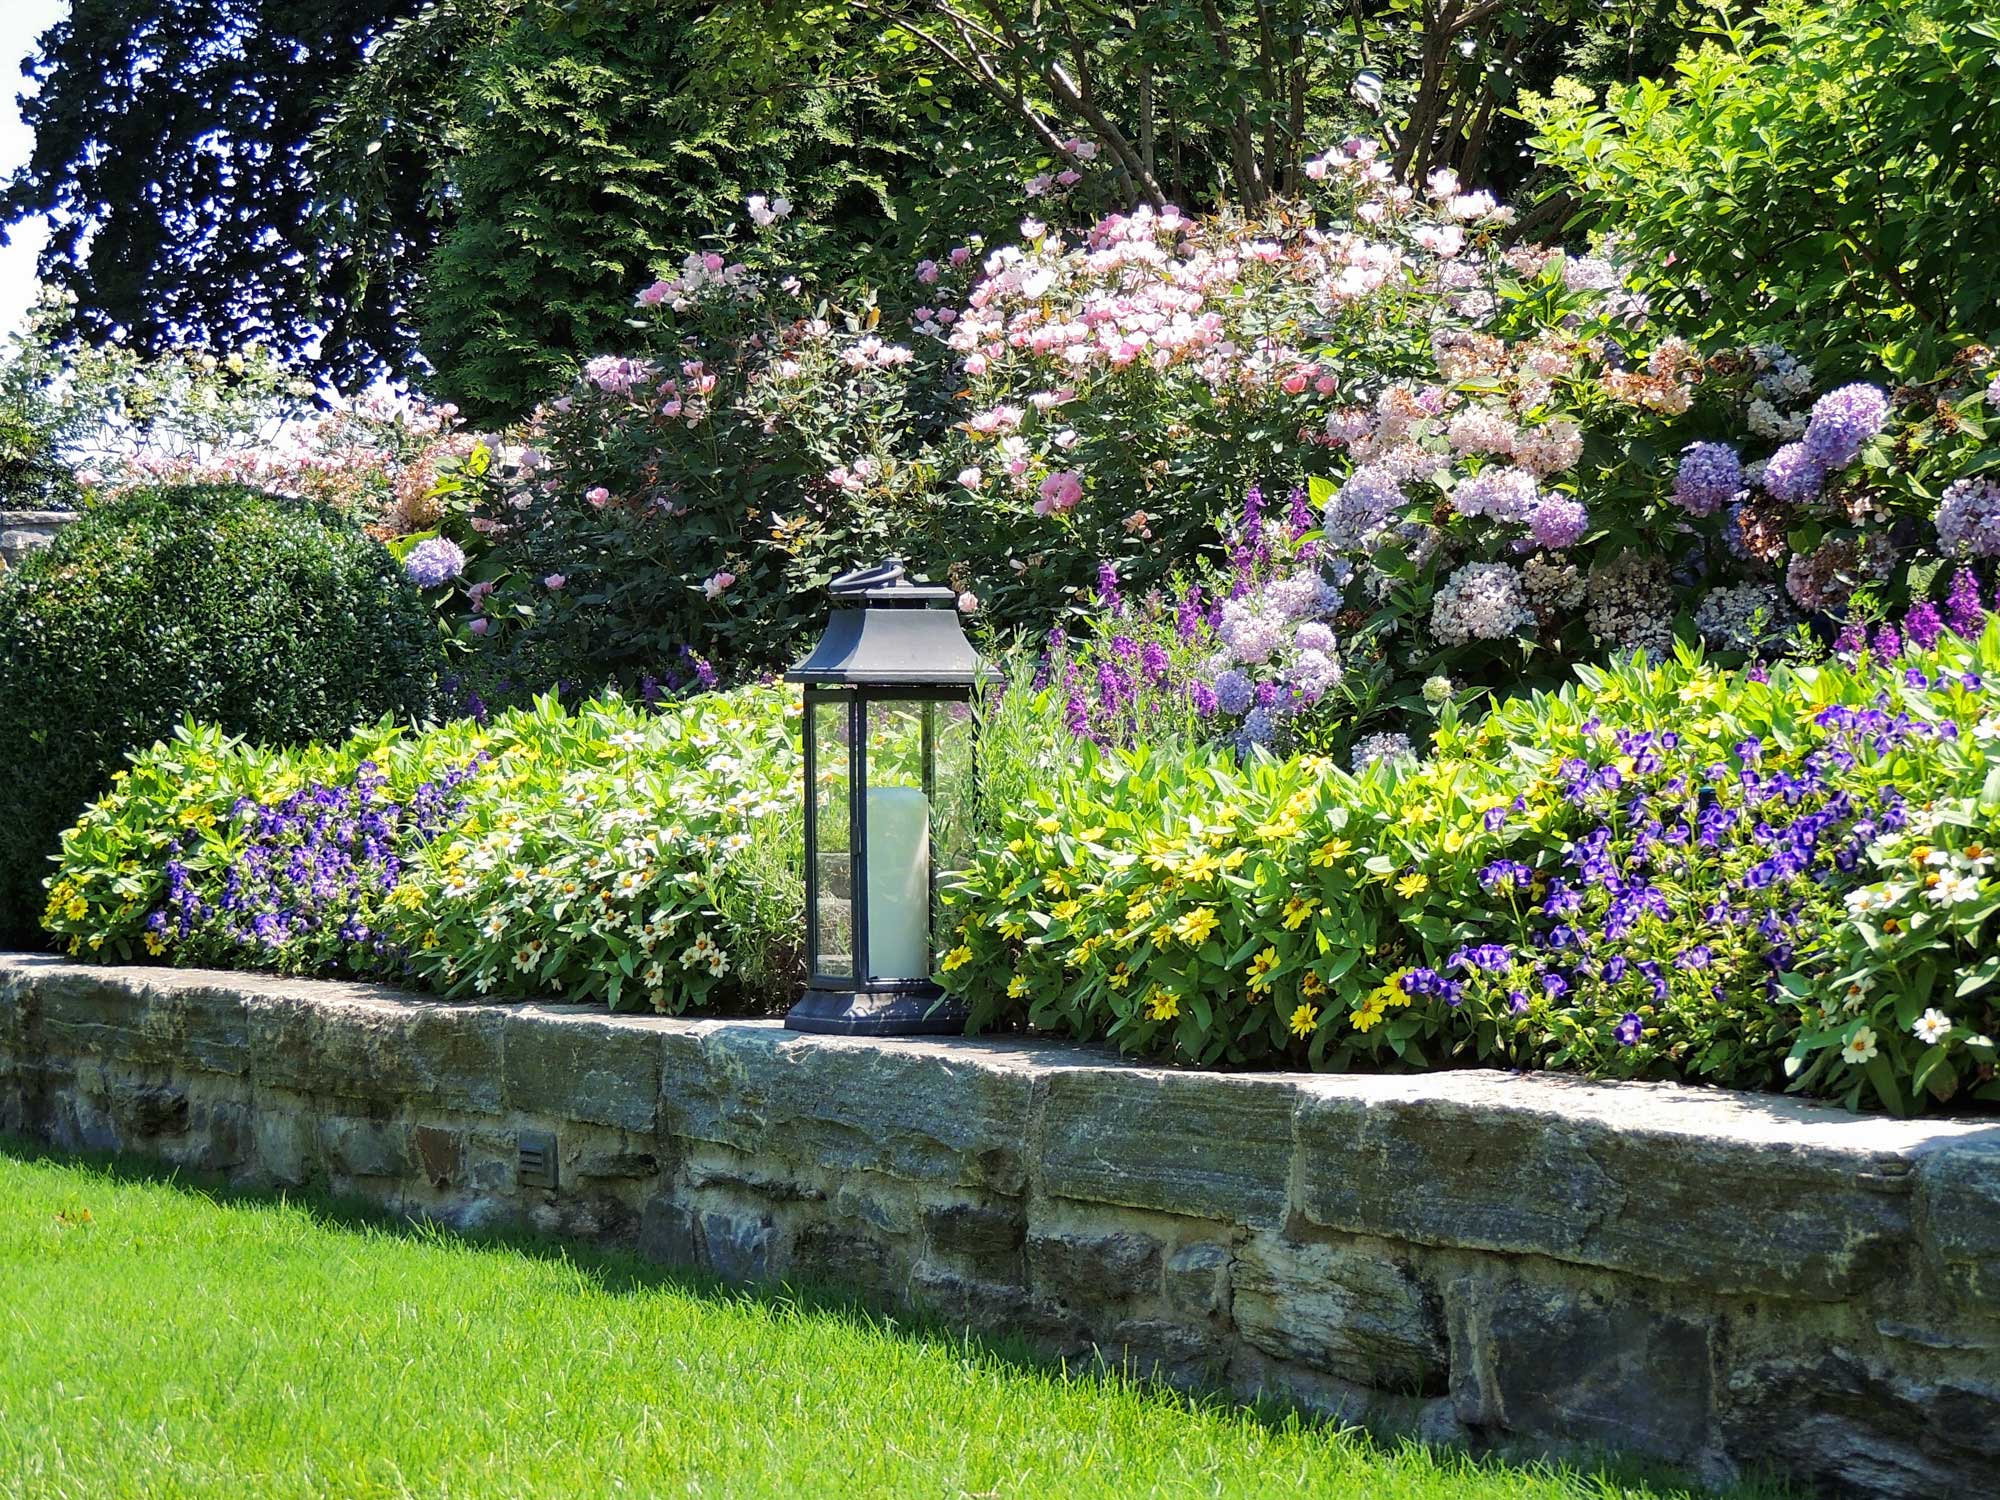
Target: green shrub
[[272, 618], [1658, 872], [650, 860]]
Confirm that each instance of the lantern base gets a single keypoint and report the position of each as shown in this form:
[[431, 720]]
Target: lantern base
[[926, 1012]]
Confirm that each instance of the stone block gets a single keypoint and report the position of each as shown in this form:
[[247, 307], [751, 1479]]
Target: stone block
[[1578, 1367], [1958, 1217], [1351, 1313], [667, 1232], [737, 1247], [378, 1051], [616, 1165], [1651, 1195], [189, 1026], [1845, 1427], [974, 1229], [835, 1255], [939, 1112], [1079, 1268], [365, 1148], [1204, 1145], [440, 1154], [285, 1142], [570, 1063], [1198, 1280], [146, 1112]]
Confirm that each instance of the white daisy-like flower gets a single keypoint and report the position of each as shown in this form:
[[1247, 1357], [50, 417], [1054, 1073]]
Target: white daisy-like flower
[[1867, 901], [457, 883], [629, 739], [1855, 994], [736, 843], [1860, 1047], [1937, 859], [1931, 1027], [1975, 859], [1951, 888], [1986, 731], [494, 927], [718, 963]]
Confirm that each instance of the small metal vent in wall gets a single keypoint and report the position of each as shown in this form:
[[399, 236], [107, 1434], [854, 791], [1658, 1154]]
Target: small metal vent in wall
[[536, 1165]]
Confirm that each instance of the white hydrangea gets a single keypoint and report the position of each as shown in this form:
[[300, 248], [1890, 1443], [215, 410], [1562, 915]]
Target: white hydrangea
[[1482, 601]]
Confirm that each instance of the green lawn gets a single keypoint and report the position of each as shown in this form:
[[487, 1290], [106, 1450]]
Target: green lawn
[[157, 1341]]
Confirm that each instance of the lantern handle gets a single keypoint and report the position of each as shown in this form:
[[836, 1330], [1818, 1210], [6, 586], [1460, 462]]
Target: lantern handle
[[884, 575]]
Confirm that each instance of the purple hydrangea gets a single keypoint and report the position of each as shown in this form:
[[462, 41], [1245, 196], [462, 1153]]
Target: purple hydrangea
[[1559, 522], [433, 561], [1968, 517], [1709, 477], [1233, 693], [1793, 473], [1504, 494], [1842, 423]]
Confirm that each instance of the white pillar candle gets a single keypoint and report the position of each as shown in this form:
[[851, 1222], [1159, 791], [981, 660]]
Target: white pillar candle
[[899, 883]]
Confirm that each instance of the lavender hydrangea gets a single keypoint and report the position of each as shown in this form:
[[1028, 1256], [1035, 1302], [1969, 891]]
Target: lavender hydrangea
[[1380, 747], [1233, 692], [1794, 474], [1502, 494], [1558, 522], [433, 561], [1842, 423], [1361, 507], [1968, 517], [1709, 477]]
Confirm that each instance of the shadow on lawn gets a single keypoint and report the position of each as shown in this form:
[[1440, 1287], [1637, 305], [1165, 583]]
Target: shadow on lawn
[[624, 1273]]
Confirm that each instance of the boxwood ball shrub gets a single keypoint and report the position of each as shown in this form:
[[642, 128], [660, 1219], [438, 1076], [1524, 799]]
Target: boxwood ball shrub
[[274, 619]]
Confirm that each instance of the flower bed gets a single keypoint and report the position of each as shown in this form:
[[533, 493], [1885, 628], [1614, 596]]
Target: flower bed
[[1776, 879], [645, 859]]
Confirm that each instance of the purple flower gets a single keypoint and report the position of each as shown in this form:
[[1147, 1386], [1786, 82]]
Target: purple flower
[[1107, 588], [1842, 423], [1888, 643], [1964, 611], [1153, 661], [1709, 477], [1558, 522], [1628, 1030], [1793, 474], [1233, 692], [1923, 624], [433, 561]]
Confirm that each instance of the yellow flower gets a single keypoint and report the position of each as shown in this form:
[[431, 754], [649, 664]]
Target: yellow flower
[[1016, 987], [1304, 1019], [1062, 911], [155, 944], [75, 908], [1201, 867], [1285, 826], [1163, 1005], [1120, 977], [1138, 911], [1333, 849], [1260, 970], [1163, 934], [1056, 883], [958, 958], [1311, 984], [1047, 825], [1413, 885], [1233, 860], [1013, 929], [1366, 1018], [1194, 927], [1297, 910]]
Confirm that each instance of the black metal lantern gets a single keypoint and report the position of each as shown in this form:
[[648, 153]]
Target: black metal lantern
[[890, 773]]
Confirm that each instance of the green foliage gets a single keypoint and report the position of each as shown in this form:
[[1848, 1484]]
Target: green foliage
[[274, 619], [1648, 874], [171, 157], [582, 155], [1821, 174]]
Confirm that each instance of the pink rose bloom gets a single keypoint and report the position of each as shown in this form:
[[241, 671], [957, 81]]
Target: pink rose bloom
[[968, 603], [599, 497], [1294, 382], [1060, 493], [927, 271], [717, 584], [480, 626], [971, 478], [655, 294], [554, 581], [712, 263], [1316, 168], [960, 255], [1069, 177]]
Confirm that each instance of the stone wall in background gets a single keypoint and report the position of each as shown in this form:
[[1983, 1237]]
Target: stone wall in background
[[1718, 1281], [21, 531]]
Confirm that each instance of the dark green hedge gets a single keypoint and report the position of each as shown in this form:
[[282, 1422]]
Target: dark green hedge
[[277, 619]]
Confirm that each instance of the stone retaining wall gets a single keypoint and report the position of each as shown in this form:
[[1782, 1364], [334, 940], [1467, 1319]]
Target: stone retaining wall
[[23, 530], [1719, 1281]]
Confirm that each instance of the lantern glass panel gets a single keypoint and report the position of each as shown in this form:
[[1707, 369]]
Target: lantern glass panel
[[897, 858], [833, 781], [952, 789]]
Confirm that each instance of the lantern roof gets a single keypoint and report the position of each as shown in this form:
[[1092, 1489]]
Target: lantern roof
[[890, 631]]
